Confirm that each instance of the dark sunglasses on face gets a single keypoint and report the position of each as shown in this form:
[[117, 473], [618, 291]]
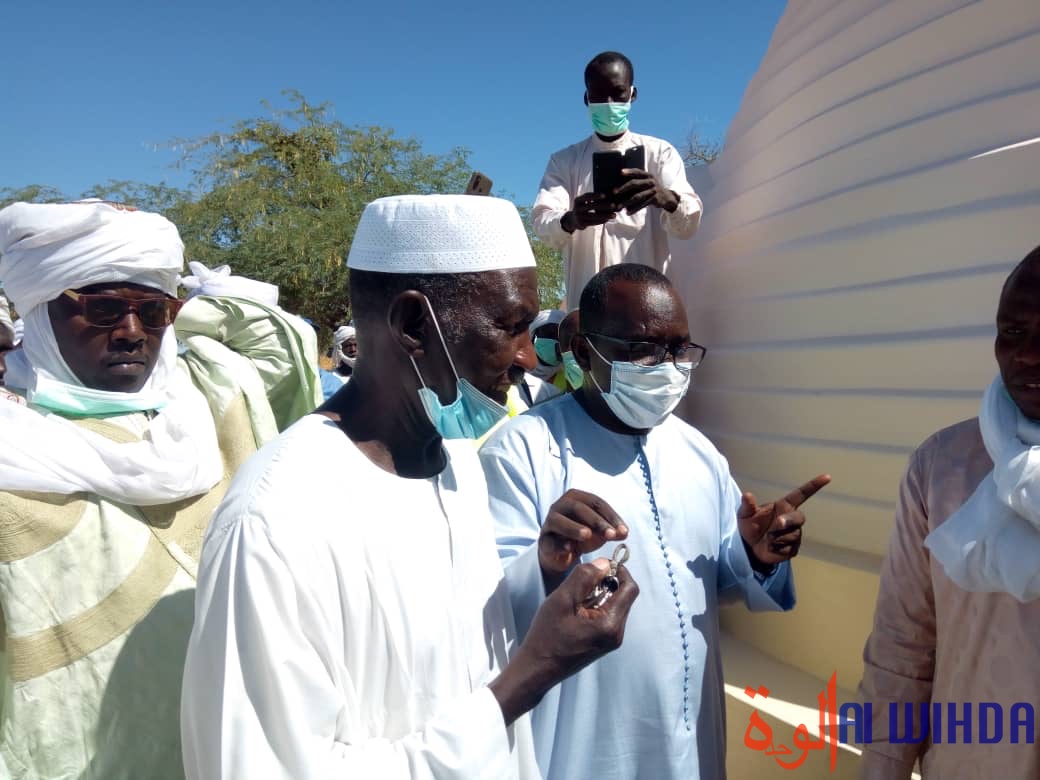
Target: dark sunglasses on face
[[106, 311]]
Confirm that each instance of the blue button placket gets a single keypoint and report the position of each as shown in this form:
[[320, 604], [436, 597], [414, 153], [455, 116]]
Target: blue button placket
[[645, 464]]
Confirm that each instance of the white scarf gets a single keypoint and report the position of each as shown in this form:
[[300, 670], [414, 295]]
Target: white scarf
[[177, 458], [992, 543]]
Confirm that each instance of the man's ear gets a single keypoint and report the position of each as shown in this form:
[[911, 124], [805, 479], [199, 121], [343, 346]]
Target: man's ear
[[586, 97], [635, 93], [580, 348], [408, 319]]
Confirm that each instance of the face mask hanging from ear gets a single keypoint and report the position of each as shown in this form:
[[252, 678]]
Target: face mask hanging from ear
[[571, 369], [470, 415]]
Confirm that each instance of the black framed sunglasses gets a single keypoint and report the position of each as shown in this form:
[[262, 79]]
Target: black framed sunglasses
[[106, 311], [647, 353]]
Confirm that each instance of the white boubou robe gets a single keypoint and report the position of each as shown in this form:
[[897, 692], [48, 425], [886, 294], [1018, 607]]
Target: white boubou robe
[[353, 639]]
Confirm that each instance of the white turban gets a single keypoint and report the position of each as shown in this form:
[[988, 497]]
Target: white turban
[[339, 338], [47, 249], [5, 319], [343, 332], [219, 283]]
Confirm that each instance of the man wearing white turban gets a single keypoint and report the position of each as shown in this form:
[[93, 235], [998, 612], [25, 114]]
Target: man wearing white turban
[[109, 471], [344, 355], [374, 638]]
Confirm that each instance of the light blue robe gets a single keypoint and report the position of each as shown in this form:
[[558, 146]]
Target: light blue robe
[[654, 709]]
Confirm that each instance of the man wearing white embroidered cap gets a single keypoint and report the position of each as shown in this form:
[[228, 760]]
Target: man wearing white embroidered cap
[[107, 479], [376, 639]]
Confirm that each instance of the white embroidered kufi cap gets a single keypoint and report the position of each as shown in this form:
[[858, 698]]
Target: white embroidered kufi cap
[[440, 234]]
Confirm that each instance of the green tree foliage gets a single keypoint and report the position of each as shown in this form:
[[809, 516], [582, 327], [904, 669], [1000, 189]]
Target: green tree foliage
[[278, 198], [550, 267], [32, 193]]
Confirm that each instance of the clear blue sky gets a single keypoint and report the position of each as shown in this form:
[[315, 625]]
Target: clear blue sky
[[89, 90]]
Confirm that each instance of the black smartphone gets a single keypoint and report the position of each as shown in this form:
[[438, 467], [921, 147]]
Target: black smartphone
[[635, 158], [607, 167], [479, 184]]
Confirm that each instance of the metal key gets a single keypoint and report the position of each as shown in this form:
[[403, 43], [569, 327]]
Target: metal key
[[609, 584]]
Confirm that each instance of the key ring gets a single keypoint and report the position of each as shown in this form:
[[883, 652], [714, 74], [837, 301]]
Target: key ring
[[609, 584]]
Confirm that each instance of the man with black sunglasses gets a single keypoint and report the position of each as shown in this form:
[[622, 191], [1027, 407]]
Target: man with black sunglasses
[[111, 463], [628, 470]]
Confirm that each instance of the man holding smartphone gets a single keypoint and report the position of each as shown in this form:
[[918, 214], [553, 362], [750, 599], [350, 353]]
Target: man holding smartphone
[[628, 219]]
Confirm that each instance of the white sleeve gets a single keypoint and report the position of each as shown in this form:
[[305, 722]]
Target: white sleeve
[[513, 499], [260, 698], [553, 201], [684, 221]]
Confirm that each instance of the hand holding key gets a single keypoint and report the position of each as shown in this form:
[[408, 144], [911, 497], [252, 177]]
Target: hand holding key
[[567, 634], [577, 523], [608, 585]]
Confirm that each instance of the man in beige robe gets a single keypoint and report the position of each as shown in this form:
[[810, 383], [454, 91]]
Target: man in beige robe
[[957, 623], [111, 464]]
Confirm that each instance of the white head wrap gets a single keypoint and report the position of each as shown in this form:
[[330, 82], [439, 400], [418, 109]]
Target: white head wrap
[[339, 338], [5, 319], [219, 283], [49, 248], [440, 234], [547, 317], [44, 250]]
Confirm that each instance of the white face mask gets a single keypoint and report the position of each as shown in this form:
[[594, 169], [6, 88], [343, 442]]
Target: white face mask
[[642, 397]]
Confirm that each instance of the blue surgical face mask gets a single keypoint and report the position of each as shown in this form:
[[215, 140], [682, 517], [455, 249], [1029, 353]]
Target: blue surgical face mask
[[546, 349], [642, 397], [470, 415], [571, 369], [609, 118]]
